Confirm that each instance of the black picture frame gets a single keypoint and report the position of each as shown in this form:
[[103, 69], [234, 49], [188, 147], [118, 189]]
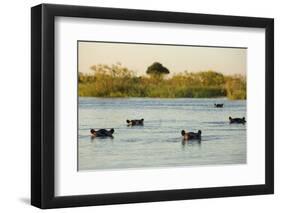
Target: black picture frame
[[43, 105]]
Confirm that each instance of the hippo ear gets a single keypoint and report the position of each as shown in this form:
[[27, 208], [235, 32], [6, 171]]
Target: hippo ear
[[199, 132], [112, 131], [128, 121], [182, 132], [142, 119], [243, 118], [230, 118]]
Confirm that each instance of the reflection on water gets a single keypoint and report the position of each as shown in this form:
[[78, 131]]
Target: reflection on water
[[100, 138], [190, 143], [158, 143]]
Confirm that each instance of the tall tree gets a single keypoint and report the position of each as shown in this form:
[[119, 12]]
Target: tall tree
[[157, 70]]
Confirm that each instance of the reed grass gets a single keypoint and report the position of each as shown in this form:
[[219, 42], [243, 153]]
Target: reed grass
[[119, 81]]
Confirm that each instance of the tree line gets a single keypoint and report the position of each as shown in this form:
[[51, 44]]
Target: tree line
[[118, 81]]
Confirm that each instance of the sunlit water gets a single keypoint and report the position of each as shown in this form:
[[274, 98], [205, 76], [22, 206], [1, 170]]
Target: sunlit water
[[159, 142]]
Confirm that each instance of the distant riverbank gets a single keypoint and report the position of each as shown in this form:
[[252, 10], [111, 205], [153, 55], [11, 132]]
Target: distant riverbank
[[117, 81]]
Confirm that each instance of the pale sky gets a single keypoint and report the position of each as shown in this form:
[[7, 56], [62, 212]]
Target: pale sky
[[138, 57]]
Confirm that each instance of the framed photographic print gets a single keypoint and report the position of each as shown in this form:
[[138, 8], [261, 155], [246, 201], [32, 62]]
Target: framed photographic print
[[139, 106]]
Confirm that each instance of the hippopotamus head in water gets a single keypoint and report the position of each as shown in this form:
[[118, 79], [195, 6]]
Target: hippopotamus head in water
[[237, 120], [218, 105], [135, 122], [102, 133], [191, 135]]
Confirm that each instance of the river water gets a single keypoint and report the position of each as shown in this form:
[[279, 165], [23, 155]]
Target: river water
[[159, 142]]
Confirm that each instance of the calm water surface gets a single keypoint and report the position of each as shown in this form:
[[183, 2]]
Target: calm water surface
[[159, 142]]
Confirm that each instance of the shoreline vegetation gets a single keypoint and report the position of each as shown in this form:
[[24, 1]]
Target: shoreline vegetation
[[118, 81]]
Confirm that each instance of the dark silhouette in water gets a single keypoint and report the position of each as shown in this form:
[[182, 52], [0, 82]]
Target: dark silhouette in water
[[102, 133], [218, 105], [191, 135], [237, 120], [135, 122]]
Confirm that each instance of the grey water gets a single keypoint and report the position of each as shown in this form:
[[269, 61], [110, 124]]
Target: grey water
[[159, 142]]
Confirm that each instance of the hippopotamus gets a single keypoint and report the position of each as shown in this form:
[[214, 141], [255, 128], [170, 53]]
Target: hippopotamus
[[218, 105], [237, 120], [102, 133], [191, 135], [135, 122]]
